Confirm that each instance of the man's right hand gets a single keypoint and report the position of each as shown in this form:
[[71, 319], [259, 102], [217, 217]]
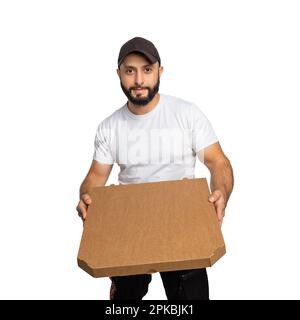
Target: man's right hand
[[85, 201]]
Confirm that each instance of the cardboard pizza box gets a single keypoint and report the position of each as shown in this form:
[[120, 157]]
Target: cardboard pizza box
[[150, 227]]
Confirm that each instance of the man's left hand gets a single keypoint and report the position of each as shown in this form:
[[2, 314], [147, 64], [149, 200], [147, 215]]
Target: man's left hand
[[218, 199]]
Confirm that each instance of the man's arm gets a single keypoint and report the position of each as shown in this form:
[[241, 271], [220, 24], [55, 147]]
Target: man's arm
[[96, 177], [222, 179]]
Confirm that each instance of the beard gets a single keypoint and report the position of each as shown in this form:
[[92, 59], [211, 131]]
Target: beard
[[141, 101]]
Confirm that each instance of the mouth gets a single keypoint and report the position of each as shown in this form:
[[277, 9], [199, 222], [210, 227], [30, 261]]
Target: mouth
[[139, 89]]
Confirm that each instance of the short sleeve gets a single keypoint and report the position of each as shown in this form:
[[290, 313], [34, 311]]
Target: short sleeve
[[102, 144], [203, 133]]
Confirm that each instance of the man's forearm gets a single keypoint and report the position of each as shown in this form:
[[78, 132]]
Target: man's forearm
[[222, 178], [91, 182]]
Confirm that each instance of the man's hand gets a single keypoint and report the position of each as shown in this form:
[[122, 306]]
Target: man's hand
[[218, 199], [82, 206]]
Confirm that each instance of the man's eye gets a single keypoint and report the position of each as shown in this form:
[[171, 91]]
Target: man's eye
[[148, 70], [129, 71]]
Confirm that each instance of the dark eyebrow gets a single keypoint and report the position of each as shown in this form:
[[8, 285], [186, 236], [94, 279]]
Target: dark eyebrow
[[128, 66]]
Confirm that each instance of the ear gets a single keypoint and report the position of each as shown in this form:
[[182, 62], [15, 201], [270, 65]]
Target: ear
[[119, 73], [160, 70]]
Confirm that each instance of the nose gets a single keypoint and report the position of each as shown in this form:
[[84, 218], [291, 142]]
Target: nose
[[139, 79]]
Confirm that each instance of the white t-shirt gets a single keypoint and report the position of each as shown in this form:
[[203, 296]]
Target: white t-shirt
[[157, 146]]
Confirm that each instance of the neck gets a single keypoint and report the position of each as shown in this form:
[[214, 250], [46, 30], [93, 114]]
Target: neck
[[139, 110]]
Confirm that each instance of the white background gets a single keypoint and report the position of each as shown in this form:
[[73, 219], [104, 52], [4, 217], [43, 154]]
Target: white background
[[237, 60]]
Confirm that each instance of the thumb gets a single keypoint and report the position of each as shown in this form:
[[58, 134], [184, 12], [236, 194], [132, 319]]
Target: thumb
[[214, 196], [86, 198]]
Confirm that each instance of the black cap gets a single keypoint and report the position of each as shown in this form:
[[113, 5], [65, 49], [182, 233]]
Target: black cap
[[140, 45]]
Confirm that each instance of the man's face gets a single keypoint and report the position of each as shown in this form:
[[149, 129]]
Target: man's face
[[139, 79]]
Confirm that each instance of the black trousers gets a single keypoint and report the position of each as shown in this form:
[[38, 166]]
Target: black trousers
[[179, 285]]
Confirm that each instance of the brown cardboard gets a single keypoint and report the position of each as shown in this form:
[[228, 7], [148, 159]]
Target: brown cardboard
[[150, 227]]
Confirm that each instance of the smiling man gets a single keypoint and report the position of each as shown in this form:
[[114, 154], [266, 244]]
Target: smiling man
[[156, 137]]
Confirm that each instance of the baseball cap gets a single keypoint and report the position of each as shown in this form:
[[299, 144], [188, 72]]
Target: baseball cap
[[140, 45]]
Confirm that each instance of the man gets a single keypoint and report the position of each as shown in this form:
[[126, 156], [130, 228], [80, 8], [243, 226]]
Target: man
[[155, 137]]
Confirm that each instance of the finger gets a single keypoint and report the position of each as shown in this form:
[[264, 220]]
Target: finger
[[82, 210], [220, 209], [220, 223], [215, 196], [86, 199], [83, 214], [220, 214]]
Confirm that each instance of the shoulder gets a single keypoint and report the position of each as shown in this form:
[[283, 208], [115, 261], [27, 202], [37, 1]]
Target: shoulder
[[184, 109], [112, 120], [180, 105], [175, 102]]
